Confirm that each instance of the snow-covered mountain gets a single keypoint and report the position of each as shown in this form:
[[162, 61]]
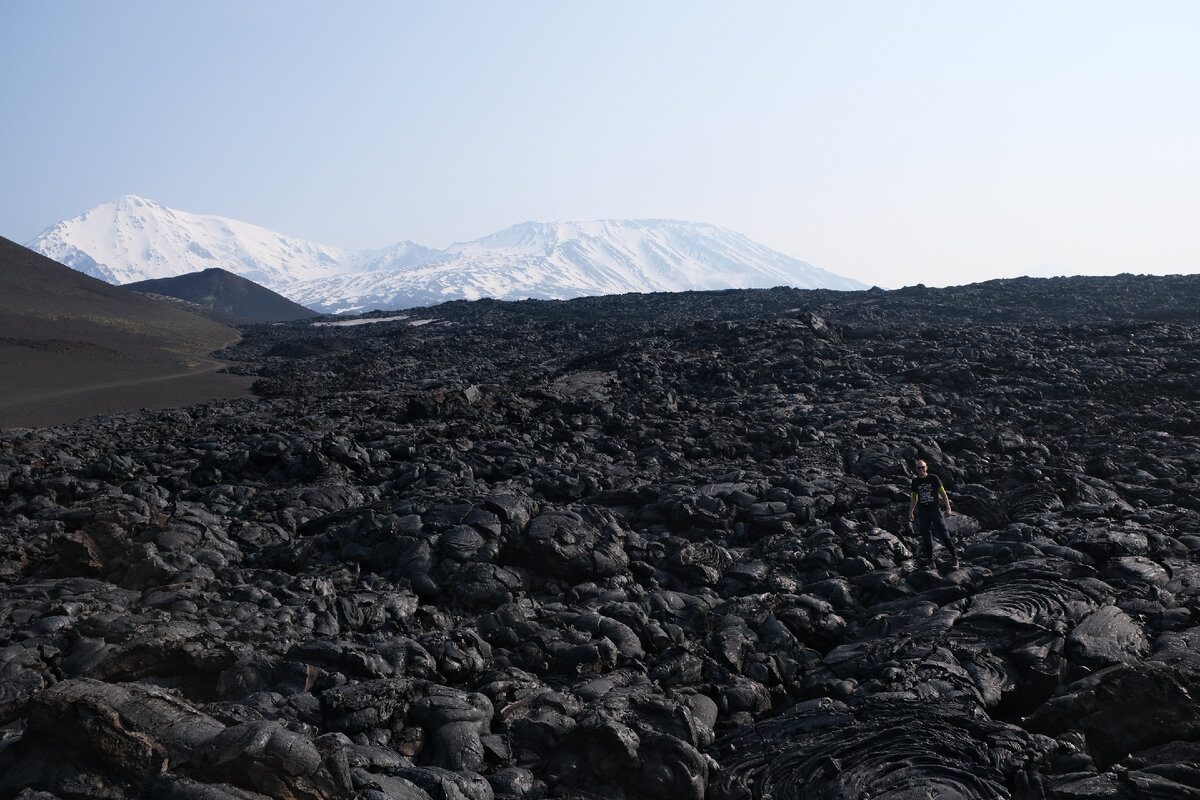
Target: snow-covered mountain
[[560, 260], [135, 239]]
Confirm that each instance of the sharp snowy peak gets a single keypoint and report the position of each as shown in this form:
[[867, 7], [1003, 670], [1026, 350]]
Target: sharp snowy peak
[[135, 239], [561, 260]]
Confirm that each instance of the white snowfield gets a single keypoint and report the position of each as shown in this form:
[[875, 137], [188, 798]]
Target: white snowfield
[[135, 239]]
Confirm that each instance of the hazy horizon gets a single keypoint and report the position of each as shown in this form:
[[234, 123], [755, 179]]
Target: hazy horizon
[[938, 143]]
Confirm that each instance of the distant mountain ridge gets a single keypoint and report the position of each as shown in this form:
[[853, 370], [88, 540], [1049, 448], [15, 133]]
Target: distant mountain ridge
[[135, 239]]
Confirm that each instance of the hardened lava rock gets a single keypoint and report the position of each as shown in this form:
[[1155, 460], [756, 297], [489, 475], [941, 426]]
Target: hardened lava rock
[[628, 547]]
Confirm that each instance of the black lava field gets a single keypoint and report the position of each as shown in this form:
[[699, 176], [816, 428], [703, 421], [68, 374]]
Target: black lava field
[[643, 546]]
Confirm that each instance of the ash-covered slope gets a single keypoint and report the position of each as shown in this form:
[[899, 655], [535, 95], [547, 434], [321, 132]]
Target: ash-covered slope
[[641, 546], [41, 297], [222, 291], [72, 346]]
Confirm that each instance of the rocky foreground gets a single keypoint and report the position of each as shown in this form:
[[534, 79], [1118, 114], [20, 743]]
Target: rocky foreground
[[629, 547]]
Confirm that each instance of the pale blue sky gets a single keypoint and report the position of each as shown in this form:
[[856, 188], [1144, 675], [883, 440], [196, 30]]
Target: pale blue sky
[[892, 142]]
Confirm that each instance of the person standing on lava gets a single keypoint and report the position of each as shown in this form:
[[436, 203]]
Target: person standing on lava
[[928, 496]]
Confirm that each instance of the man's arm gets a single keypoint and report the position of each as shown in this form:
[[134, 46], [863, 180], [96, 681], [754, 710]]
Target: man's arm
[[946, 497], [912, 506]]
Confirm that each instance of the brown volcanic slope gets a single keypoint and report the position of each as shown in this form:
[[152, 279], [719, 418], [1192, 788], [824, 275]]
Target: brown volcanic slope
[[72, 346], [228, 294]]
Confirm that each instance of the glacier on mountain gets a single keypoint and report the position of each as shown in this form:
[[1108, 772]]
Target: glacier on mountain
[[135, 239]]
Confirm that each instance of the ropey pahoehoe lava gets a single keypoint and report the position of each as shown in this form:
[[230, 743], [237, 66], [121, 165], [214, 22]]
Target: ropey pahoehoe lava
[[638, 546]]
